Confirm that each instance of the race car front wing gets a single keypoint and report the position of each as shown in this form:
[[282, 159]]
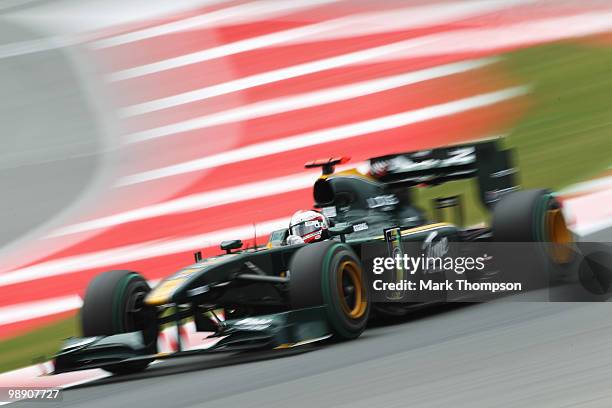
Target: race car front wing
[[280, 330]]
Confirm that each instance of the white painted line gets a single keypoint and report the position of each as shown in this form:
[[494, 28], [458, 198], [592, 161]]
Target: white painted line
[[269, 77], [508, 36], [309, 99], [247, 12], [592, 212], [199, 201], [453, 42], [41, 308], [410, 18], [263, 149], [79, 23], [344, 27], [129, 253], [219, 52], [95, 20], [591, 228]]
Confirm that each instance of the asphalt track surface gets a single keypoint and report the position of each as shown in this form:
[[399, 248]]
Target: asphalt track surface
[[502, 354], [50, 145]]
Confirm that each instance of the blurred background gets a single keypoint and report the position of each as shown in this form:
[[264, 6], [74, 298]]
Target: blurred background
[[135, 132]]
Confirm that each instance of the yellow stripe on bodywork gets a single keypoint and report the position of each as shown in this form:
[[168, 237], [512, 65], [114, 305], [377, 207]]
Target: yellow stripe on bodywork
[[162, 293], [426, 228], [284, 346], [422, 228], [350, 173]]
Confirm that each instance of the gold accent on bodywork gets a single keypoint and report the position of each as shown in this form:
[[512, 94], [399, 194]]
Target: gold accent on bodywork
[[284, 346], [350, 173], [162, 293], [426, 227], [422, 228]]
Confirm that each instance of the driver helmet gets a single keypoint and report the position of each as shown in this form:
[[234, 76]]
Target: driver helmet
[[310, 225]]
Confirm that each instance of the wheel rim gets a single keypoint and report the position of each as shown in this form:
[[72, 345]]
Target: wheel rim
[[134, 318], [557, 229], [140, 317], [351, 290], [560, 236], [119, 303]]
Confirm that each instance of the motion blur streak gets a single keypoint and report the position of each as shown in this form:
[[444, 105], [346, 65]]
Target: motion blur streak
[[306, 100], [593, 210], [207, 199], [455, 42], [506, 37], [146, 250], [199, 201], [32, 310], [244, 12], [281, 82], [328, 135], [268, 78], [357, 25]]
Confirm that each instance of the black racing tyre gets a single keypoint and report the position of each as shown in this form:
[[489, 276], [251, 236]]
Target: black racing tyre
[[522, 216], [113, 304], [534, 216], [329, 273]]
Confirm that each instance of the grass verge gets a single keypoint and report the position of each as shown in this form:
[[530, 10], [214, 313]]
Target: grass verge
[[40, 343]]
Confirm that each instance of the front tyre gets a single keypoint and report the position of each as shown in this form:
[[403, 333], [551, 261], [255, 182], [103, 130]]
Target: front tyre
[[113, 304], [329, 273]]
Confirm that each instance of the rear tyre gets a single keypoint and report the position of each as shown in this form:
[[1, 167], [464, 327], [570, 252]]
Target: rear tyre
[[114, 303], [534, 216], [529, 216], [329, 273]]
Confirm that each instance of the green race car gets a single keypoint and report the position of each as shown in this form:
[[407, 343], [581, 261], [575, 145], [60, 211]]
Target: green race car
[[283, 295]]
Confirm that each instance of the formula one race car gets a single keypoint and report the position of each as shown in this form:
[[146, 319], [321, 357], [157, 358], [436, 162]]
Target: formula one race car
[[284, 295]]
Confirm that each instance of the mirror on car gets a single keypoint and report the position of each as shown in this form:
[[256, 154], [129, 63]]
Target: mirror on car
[[228, 246]]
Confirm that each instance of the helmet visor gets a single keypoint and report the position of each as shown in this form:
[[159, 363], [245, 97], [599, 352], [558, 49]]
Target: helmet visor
[[307, 227]]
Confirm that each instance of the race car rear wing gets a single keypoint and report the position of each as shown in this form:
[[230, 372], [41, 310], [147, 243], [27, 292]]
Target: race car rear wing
[[491, 166]]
